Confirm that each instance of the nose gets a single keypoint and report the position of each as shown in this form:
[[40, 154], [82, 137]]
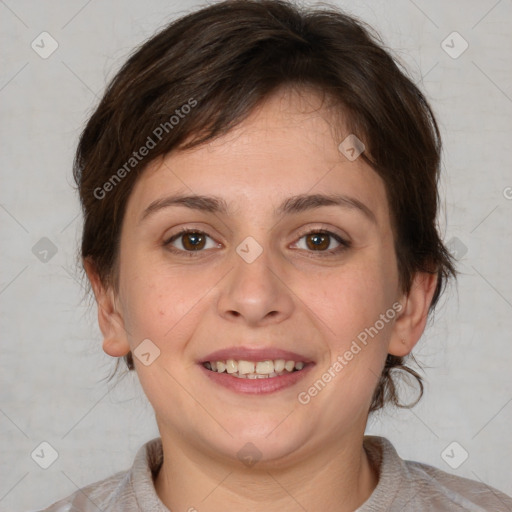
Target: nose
[[255, 293]]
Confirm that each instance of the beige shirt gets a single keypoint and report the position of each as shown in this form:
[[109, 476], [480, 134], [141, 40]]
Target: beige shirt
[[403, 486]]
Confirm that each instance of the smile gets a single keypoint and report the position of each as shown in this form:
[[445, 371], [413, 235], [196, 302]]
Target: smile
[[255, 369]]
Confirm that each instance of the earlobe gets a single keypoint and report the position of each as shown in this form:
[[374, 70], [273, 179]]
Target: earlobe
[[110, 319], [412, 320]]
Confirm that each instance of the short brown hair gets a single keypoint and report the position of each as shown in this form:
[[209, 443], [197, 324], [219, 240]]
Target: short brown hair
[[223, 61]]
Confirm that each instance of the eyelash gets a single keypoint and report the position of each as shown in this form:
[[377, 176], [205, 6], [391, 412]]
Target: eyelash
[[344, 244]]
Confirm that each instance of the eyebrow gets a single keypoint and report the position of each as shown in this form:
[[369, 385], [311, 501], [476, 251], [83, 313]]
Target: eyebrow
[[294, 204]]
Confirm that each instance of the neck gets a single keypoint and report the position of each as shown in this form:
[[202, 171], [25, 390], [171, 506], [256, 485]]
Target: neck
[[339, 479]]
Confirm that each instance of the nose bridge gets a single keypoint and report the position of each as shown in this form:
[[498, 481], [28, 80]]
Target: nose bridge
[[254, 291]]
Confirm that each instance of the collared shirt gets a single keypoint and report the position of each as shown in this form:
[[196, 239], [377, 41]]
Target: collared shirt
[[403, 486]]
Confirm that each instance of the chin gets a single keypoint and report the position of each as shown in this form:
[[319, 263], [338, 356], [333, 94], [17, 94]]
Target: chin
[[260, 444]]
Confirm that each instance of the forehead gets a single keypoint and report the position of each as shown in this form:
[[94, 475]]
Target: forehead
[[286, 146]]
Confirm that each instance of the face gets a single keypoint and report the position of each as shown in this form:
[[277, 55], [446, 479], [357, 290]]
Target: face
[[272, 270]]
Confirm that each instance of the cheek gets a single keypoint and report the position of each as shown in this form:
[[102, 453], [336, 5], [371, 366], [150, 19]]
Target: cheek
[[150, 303], [355, 343], [153, 311], [349, 299], [349, 303], [162, 302]]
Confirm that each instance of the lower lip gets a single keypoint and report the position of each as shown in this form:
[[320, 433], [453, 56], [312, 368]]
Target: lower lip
[[257, 386]]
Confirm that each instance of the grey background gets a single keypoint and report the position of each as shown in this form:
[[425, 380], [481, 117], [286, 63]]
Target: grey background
[[50, 354]]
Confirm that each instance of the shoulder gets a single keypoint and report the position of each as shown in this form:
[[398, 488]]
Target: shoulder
[[454, 491], [96, 496], [124, 491], [410, 485]]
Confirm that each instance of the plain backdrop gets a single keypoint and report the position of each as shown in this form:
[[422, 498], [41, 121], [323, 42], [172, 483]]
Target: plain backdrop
[[52, 363]]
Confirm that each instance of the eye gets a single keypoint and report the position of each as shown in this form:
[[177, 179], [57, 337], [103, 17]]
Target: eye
[[190, 240], [322, 241]]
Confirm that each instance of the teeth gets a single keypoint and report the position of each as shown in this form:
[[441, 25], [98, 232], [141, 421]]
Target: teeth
[[245, 367], [251, 370], [231, 366], [279, 365], [265, 367], [289, 366]]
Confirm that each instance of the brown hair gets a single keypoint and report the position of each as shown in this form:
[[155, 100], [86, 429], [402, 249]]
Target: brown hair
[[207, 71]]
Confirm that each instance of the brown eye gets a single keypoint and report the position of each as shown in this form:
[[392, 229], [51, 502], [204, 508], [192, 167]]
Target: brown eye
[[324, 243], [318, 241], [188, 241], [193, 241]]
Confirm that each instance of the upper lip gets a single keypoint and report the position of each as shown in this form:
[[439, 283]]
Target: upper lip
[[254, 354]]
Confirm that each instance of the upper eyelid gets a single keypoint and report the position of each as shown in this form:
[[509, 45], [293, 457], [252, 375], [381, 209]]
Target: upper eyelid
[[325, 229]]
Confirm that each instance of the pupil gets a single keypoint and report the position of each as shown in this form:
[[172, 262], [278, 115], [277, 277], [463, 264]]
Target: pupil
[[193, 241], [319, 241]]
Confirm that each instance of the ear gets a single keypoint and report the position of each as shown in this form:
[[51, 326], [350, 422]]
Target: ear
[[412, 319], [110, 319]]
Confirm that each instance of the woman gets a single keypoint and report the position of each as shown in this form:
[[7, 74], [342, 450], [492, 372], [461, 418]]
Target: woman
[[259, 187]]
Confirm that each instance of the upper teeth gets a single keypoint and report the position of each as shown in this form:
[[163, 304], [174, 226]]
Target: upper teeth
[[269, 367]]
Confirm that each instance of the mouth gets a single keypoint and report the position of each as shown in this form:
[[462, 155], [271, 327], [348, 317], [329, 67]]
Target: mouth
[[266, 369], [255, 371]]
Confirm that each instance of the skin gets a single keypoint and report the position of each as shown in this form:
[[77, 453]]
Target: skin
[[290, 297]]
